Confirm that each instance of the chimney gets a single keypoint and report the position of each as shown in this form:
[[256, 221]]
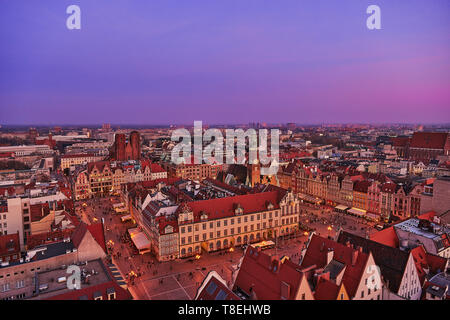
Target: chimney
[[330, 255], [354, 256], [285, 290]]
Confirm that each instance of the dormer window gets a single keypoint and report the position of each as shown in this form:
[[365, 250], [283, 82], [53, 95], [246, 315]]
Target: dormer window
[[238, 209], [111, 292]]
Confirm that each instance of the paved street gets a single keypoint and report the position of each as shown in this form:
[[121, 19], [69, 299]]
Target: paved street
[[180, 279]]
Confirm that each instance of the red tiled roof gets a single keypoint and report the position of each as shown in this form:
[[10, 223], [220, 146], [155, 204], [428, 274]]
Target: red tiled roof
[[96, 231], [400, 141], [316, 254], [387, 237], [424, 260], [427, 216], [163, 222], [388, 187], [39, 211], [361, 186], [263, 276], [429, 140], [225, 207], [11, 191], [326, 290], [156, 168], [99, 164], [9, 244]]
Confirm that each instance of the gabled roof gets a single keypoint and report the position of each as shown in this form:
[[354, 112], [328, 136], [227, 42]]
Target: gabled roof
[[355, 261], [424, 260], [264, 277], [213, 287], [100, 165], [96, 230], [387, 237], [392, 261], [326, 290]]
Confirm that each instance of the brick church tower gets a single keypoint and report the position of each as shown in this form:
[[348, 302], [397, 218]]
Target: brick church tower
[[135, 141]]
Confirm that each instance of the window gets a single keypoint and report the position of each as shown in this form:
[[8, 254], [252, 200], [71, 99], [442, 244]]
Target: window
[[20, 284], [182, 230], [211, 288], [218, 223], [5, 287], [98, 296], [204, 226]]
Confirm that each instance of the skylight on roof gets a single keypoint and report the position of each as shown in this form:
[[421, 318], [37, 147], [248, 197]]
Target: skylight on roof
[[211, 288]]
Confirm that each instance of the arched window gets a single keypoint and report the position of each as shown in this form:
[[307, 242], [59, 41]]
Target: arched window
[[252, 237], [225, 243], [183, 251], [239, 239], [245, 239], [190, 250], [211, 246], [197, 249], [218, 244]]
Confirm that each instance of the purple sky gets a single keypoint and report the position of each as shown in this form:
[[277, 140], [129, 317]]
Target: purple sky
[[224, 61]]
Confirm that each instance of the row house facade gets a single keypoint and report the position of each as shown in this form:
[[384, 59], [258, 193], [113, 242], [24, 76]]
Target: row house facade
[[101, 178], [197, 172], [374, 194], [400, 201]]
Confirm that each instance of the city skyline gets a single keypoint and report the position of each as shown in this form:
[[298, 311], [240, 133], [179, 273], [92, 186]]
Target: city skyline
[[225, 62]]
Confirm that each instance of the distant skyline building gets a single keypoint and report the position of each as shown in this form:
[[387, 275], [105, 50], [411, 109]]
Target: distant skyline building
[[123, 150]]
